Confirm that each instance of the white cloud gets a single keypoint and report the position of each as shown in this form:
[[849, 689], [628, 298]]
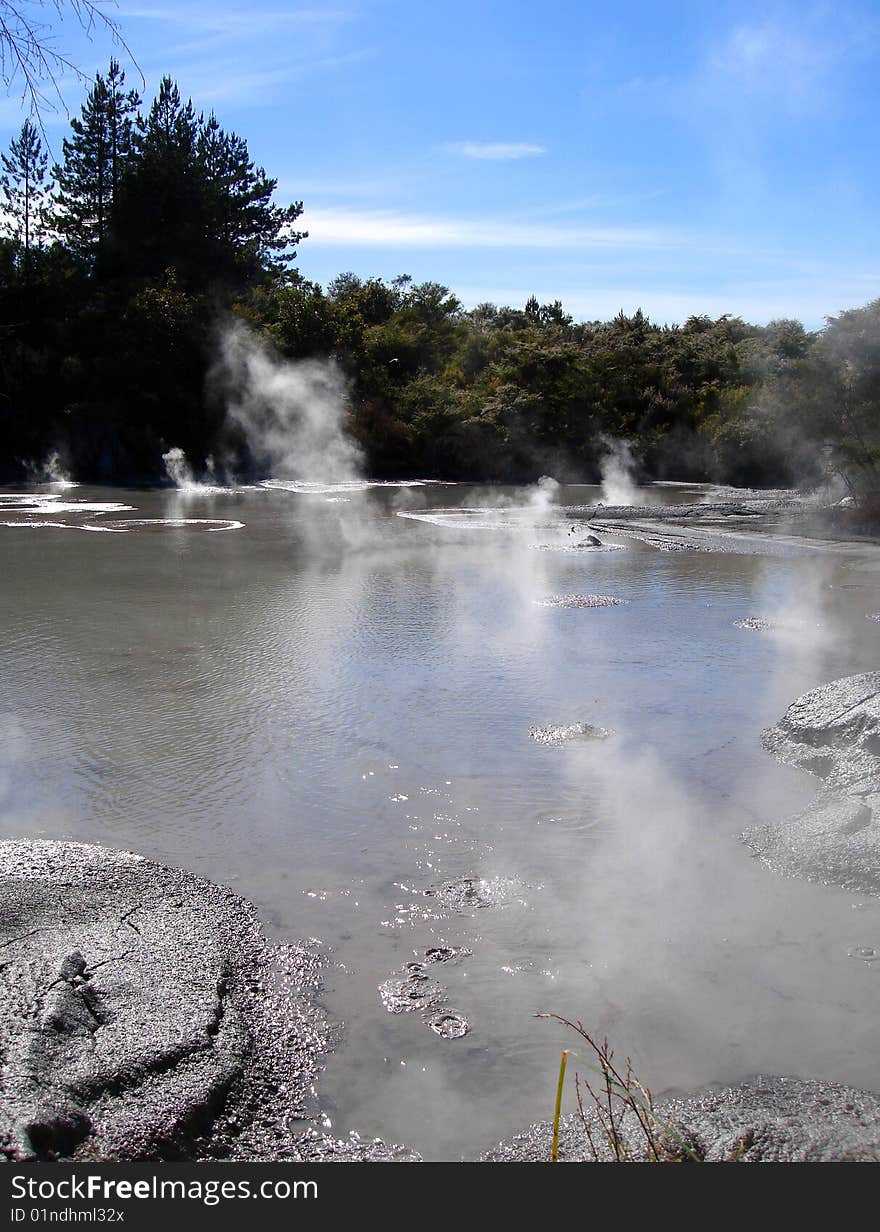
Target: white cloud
[[495, 151], [375, 229]]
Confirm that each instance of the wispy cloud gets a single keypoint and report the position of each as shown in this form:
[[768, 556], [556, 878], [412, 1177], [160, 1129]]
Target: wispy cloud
[[243, 54], [233, 81], [375, 229], [494, 151], [795, 60], [250, 22], [774, 59]]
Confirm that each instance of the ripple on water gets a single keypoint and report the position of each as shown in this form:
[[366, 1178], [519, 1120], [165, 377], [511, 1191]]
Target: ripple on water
[[573, 820]]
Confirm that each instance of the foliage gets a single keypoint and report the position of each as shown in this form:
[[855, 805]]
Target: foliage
[[161, 225], [25, 191], [95, 159], [30, 60]]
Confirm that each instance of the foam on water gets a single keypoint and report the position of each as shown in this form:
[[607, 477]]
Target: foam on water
[[52, 503], [44, 510], [210, 524], [38, 523]]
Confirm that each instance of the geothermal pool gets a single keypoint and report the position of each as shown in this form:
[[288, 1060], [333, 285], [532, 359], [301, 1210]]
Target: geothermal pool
[[436, 739]]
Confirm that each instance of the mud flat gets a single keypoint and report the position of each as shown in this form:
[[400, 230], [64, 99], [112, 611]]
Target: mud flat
[[773, 1120], [832, 732], [146, 1016], [746, 521]]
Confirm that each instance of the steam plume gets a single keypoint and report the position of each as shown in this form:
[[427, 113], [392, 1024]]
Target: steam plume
[[618, 469], [291, 412]]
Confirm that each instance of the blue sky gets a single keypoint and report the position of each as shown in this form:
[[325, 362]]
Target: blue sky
[[684, 157]]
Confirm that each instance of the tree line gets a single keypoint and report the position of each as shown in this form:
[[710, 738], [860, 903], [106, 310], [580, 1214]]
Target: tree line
[[121, 262]]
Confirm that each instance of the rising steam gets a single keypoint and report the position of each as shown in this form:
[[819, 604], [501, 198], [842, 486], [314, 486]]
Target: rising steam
[[618, 469], [292, 412], [51, 470]]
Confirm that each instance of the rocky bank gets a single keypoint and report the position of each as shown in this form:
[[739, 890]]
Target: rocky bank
[[146, 1016]]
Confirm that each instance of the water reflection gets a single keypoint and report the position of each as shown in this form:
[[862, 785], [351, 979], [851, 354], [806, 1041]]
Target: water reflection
[[331, 709]]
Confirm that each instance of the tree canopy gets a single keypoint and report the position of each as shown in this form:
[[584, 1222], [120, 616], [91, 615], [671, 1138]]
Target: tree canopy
[[156, 226]]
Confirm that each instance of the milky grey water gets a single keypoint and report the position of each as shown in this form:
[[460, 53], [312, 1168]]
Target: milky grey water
[[335, 709]]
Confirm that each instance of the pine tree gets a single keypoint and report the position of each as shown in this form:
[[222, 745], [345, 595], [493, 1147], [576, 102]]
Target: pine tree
[[159, 220], [248, 231], [94, 158], [192, 199], [26, 192]]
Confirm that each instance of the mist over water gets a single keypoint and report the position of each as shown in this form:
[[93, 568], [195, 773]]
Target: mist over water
[[292, 412], [334, 711], [52, 471], [618, 469]]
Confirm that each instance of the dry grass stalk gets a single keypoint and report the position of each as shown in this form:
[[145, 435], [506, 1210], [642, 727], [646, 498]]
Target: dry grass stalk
[[619, 1109]]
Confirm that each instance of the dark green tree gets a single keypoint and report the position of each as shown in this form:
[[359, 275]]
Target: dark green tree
[[25, 191], [191, 199], [249, 234], [94, 160]]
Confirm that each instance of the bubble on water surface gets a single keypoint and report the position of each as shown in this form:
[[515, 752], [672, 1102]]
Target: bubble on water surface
[[402, 994], [557, 734], [449, 1024], [446, 953], [580, 601]]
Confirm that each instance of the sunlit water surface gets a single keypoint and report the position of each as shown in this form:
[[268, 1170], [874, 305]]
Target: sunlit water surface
[[333, 709]]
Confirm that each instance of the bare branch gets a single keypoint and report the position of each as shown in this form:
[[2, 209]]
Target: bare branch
[[31, 63]]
